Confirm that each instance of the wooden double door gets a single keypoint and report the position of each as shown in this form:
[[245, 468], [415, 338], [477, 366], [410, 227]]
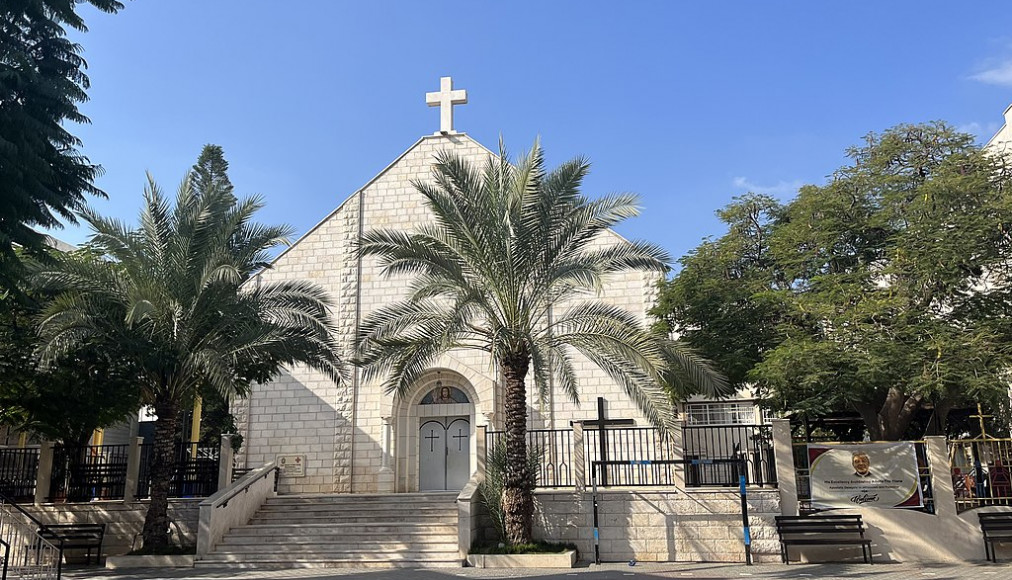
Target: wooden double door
[[444, 453]]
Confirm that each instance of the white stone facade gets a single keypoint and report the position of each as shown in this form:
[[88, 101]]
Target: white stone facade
[[1002, 140], [357, 438]]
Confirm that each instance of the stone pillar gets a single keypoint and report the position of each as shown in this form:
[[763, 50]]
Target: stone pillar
[[133, 473], [385, 477], [45, 474], [481, 451], [678, 453], [579, 458], [783, 455], [225, 460], [941, 477]]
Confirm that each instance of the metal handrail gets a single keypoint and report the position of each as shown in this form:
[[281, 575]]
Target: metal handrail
[[39, 540], [7, 553], [8, 501]]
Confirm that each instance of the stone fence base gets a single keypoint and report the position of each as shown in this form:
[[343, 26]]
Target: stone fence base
[[661, 526], [123, 521]]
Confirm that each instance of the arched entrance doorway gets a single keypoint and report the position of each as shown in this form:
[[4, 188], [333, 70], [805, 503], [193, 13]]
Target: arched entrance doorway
[[444, 438], [435, 448]]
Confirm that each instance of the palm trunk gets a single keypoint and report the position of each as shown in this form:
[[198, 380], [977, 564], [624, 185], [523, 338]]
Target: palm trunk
[[518, 496], [156, 523]]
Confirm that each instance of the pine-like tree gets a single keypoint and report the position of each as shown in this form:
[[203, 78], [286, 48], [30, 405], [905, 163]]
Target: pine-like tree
[[43, 176]]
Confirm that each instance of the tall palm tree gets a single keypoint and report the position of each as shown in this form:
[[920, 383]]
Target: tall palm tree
[[170, 293], [509, 267]]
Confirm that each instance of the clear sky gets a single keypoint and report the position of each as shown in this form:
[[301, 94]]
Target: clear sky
[[686, 104]]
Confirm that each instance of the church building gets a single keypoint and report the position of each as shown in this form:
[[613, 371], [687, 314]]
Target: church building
[[356, 438]]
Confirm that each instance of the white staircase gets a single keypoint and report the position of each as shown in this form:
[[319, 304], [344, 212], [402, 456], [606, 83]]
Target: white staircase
[[345, 531]]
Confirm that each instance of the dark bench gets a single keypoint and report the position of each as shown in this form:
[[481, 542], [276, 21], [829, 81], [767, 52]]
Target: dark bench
[[997, 528], [822, 530], [76, 536]]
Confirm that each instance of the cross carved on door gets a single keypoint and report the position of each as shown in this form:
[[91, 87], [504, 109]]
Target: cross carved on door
[[432, 440], [460, 437]]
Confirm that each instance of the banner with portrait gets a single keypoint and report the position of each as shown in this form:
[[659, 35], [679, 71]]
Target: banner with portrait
[[881, 475]]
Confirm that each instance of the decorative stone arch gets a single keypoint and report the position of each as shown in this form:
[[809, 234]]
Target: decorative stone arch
[[407, 414]]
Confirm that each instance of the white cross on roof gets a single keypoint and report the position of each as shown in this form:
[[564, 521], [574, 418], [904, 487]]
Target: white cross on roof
[[445, 99]]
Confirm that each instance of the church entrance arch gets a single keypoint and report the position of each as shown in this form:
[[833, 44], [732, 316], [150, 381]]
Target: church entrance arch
[[440, 422]]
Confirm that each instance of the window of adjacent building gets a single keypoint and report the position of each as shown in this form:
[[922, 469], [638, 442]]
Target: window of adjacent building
[[721, 413]]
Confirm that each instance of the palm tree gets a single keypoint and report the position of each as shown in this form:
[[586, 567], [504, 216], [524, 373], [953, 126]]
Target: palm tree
[[508, 267], [170, 294]]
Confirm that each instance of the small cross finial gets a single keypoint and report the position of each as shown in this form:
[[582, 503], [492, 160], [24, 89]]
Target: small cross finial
[[445, 99]]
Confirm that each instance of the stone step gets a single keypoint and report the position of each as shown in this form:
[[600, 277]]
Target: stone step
[[364, 529], [239, 564], [324, 559], [348, 531], [361, 508], [338, 518], [350, 547], [443, 497]]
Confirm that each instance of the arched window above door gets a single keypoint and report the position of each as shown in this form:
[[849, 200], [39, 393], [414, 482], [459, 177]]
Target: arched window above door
[[444, 395]]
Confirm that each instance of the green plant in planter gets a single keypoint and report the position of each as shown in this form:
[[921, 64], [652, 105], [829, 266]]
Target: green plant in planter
[[491, 488]]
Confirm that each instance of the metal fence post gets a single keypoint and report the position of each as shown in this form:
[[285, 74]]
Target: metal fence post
[[45, 474]]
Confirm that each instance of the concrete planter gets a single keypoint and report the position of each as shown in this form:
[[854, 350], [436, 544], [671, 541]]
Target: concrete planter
[[150, 561], [565, 559]]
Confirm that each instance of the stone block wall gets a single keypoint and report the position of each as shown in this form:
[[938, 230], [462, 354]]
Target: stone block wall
[[661, 526], [123, 521]]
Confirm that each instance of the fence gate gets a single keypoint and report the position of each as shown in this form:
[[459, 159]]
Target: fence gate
[[19, 469]]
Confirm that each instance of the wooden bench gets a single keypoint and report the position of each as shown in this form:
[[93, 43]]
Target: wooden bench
[[76, 536], [822, 530], [997, 528]]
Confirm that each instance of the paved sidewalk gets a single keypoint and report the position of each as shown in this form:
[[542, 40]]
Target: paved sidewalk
[[646, 571]]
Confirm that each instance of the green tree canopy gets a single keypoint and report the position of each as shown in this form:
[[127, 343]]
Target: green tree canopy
[[882, 292], [508, 266], [171, 293], [88, 388], [43, 177]]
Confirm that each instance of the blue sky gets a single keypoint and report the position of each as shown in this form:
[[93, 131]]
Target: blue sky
[[686, 104]]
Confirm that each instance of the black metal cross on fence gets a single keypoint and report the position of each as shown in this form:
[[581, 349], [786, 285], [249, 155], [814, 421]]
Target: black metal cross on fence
[[601, 424]]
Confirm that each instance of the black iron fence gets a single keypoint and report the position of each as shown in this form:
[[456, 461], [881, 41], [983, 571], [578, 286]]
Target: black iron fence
[[19, 468], [88, 472], [194, 470], [648, 457], [554, 447], [753, 444], [627, 444], [981, 471]]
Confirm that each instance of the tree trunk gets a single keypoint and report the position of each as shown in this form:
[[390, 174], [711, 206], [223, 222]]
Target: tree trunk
[[156, 523], [889, 419], [518, 493]]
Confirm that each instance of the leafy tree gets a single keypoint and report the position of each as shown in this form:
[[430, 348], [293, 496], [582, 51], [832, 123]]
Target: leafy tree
[[885, 288], [86, 389], [508, 267], [723, 301], [170, 293], [42, 175]]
